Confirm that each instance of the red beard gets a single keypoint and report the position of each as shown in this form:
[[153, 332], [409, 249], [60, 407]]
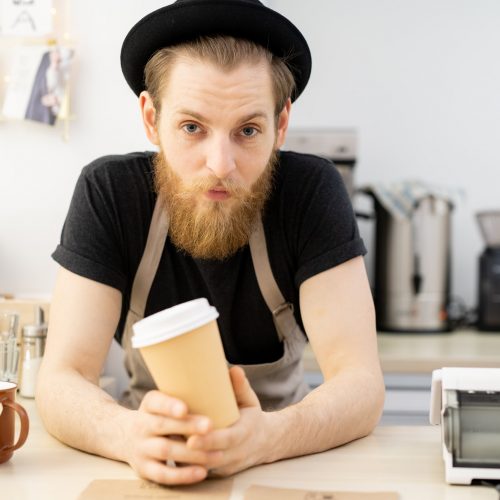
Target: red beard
[[211, 229]]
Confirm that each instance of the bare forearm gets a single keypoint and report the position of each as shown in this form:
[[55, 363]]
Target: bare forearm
[[80, 414], [344, 408]]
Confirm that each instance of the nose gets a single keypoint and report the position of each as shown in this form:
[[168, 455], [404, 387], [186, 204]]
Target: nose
[[220, 157]]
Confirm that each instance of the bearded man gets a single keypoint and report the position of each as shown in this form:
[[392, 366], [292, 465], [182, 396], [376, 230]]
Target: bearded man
[[218, 211]]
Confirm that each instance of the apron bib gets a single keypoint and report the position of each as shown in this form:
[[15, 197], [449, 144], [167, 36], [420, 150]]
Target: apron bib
[[277, 384]]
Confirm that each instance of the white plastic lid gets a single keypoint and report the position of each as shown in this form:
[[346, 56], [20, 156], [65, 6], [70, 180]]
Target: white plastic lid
[[172, 322], [4, 385]]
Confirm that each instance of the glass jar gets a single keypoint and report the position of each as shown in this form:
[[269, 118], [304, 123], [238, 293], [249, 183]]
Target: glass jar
[[33, 348]]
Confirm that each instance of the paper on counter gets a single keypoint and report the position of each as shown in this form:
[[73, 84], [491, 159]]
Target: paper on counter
[[269, 493], [109, 489]]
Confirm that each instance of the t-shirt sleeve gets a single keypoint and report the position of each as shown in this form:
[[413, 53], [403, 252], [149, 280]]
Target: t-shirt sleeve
[[90, 243], [327, 231]]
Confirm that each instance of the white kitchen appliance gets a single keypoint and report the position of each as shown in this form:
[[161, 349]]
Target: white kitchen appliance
[[336, 144], [466, 402]]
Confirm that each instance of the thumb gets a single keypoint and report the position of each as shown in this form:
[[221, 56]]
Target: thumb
[[245, 395]]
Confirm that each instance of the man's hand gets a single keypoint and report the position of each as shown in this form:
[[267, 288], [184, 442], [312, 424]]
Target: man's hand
[[241, 445], [158, 433]]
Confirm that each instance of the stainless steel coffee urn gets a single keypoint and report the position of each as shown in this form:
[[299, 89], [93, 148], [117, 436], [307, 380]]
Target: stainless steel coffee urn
[[412, 265]]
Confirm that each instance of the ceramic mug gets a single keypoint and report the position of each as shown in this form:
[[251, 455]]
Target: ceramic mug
[[8, 410]]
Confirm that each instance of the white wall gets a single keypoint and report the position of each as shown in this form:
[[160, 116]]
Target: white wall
[[420, 80]]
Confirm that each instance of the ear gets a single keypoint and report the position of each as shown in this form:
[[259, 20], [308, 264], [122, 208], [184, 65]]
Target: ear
[[283, 120], [148, 113]]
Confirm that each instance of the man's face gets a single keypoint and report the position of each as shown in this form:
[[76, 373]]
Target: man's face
[[218, 136]]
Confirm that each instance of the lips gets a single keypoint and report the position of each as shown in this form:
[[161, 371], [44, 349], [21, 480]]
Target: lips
[[217, 194]]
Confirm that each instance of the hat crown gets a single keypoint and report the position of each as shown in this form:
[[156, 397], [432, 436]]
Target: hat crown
[[187, 20], [255, 2]]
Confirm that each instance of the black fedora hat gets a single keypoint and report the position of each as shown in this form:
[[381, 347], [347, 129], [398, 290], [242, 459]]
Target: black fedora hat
[[189, 19]]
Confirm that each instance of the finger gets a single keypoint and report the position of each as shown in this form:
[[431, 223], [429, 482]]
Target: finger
[[162, 404], [163, 426], [162, 474], [164, 449], [221, 439], [245, 395]]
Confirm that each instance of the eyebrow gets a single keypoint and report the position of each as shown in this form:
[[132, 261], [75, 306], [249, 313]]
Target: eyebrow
[[197, 116]]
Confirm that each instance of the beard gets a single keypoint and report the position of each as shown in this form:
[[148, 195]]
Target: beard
[[207, 229]]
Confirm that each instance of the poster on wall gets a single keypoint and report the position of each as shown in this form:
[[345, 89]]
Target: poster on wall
[[38, 83], [28, 18]]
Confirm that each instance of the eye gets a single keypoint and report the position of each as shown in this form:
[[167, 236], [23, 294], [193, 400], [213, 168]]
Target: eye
[[249, 131], [191, 128]]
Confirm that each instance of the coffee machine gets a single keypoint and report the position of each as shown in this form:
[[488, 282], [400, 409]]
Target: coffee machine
[[488, 317]]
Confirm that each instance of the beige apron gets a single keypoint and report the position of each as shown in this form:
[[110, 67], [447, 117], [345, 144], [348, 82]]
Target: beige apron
[[277, 384]]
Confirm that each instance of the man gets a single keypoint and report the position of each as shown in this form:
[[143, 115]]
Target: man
[[268, 237]]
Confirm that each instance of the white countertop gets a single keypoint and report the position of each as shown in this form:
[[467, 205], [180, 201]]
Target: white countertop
[[403, 459]]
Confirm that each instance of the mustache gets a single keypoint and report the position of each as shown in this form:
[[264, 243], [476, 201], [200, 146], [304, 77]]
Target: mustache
[[205, 184], [176, 190]]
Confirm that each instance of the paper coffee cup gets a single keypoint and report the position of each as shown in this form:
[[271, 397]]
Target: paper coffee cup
[[182, 349]]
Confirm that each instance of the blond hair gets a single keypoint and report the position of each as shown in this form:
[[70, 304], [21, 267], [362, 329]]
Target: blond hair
[[227, 53]]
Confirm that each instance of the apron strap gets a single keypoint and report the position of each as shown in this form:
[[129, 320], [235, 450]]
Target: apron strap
[[150, 261], [282, 311]]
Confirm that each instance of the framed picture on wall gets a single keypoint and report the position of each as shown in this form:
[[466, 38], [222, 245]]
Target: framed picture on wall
[[38, 83], [27, 18]]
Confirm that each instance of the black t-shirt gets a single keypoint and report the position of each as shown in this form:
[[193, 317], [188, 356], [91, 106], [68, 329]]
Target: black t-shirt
[[308, 222]]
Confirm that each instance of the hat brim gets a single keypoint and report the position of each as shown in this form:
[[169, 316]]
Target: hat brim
[[183, 21]]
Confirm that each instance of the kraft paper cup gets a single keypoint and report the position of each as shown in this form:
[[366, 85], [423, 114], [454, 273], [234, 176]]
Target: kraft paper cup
[[182, 349]]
